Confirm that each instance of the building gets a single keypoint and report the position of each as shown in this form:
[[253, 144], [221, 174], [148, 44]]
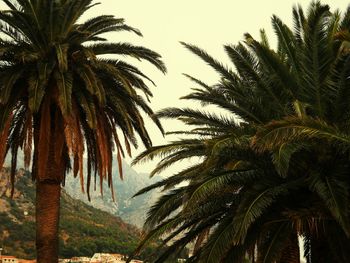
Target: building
[[9, 259], [105, 258], [79, 260], [99, 258], [119, 257]]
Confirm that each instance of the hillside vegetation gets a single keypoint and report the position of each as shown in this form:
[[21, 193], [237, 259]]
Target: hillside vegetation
[[84, 230]]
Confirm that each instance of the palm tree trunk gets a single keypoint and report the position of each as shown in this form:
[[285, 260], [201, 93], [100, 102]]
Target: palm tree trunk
[[291, 253], [48, 184], [47, 220]]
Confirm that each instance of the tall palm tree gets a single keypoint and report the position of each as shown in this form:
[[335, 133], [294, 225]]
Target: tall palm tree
[[275, 165], [61, 99]]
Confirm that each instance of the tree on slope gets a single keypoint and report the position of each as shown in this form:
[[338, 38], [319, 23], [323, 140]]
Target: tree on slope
[[275, 165], [61, 100]]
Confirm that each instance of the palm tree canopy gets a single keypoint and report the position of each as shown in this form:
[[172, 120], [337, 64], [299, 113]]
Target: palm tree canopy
[[276, 164], [58, 90]]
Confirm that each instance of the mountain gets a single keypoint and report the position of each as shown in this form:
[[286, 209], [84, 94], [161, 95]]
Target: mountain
[[84, 230], [131, 210]]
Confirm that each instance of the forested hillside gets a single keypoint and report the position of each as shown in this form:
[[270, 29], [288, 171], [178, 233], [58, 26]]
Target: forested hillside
[[84, 230]]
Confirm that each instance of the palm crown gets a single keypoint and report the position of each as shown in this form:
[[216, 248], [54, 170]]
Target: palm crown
[[62, 100], [52, 74], [263, 177]]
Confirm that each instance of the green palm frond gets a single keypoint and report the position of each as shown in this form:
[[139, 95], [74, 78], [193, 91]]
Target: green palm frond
[[294, 129], [216, 98], [270, 60], [198, 118], [126, 49], [168, 183], [231, 180], [221, 69], [254, 204], [335, 193], [220, 240], [164, 150], [282, 156], [164, 207]]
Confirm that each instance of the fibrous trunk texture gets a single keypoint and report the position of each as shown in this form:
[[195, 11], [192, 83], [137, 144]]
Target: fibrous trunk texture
[[291, 253], [49, 164], [47, 221]]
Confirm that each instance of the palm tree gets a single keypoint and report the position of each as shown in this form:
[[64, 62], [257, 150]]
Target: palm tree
[[275, 165], [62, 100], [220, 188]]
